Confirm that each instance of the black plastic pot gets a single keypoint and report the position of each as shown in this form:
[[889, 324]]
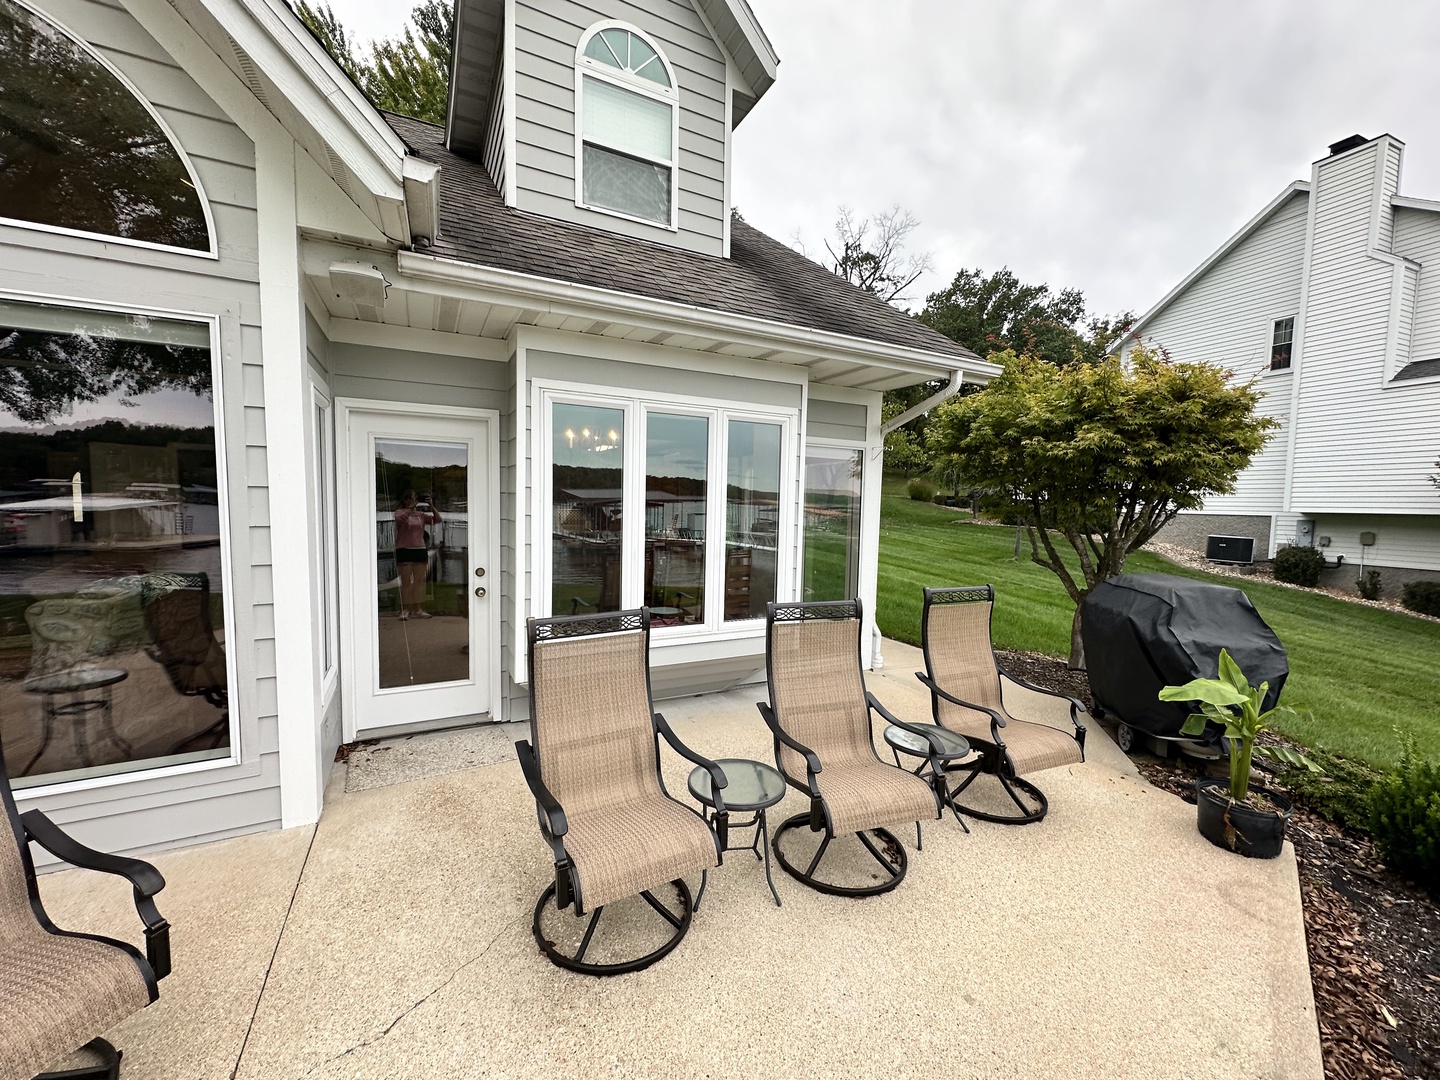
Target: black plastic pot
[[1256, 834]]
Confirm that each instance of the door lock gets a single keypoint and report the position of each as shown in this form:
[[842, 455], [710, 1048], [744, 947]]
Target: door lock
[[479, 571], [480, 591]]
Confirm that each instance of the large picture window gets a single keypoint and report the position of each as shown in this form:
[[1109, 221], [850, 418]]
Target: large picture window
[[112, 624], [626, 123], [79, 151], [702, 487]]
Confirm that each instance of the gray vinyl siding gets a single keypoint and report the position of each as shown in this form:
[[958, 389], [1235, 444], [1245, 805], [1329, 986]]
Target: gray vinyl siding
[[381, 374], [163, 810], [1363, 447], [1400, 540], [836, 420], [494, 158], [1417, 236], [1226, 317], [546, 37]]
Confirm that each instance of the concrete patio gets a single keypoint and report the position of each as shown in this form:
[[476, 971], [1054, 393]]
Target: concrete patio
[[393, 940]]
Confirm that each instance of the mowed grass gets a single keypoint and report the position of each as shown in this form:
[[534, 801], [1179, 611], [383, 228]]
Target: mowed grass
[[1361, 672]]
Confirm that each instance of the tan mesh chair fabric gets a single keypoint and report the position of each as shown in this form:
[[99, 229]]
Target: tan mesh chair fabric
[[595, 744], [56, 993], [959, 656], [819, 701]]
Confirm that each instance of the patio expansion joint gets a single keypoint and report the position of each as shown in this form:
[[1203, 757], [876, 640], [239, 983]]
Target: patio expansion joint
[[270, 964], [418, 1002]]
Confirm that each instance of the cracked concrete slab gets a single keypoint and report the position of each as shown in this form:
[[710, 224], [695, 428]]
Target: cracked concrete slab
[[1109, 940]]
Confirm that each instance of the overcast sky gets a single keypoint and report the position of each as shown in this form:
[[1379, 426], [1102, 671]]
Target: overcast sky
[[1108, 145]]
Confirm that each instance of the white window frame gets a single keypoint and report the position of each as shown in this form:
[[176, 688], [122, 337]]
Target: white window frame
[[635, 408], [212, 251], [324, 473], [586, 68], [227, 599], [1270, 345], [850, 446]]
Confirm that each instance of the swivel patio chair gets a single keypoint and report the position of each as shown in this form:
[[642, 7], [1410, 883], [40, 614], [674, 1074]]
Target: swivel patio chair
[[966, 696], [819, 713], [183, 642], [60, 991], [593, 765]]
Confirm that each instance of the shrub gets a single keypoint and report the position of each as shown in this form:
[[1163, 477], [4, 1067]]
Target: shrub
[[1369, 585], [939, 498], [1340, 792], [1422, 596], [920, 489], [1299, 565], [1405, 819]]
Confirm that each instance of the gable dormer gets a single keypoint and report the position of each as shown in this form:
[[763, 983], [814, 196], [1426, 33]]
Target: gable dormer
[[610, 114]]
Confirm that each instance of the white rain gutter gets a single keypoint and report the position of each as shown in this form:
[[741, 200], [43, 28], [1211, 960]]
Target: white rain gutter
[[951, 389]]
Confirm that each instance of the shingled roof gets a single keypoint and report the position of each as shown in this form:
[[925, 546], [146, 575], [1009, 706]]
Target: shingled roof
[[763, 278]]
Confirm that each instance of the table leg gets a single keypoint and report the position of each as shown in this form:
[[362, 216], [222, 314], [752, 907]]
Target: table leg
[[764, 831], [78, 712], [107, 713], [47, 726]]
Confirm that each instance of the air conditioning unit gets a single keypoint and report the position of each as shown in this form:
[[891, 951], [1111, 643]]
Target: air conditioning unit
[[1239, 550]]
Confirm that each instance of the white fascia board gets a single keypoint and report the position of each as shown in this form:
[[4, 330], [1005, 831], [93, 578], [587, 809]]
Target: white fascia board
[[422, 199], [1404, 202], [1298, 187], [273, 36], [513, 289]]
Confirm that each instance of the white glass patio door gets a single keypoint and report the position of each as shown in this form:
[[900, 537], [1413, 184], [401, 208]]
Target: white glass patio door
[[419, 576]]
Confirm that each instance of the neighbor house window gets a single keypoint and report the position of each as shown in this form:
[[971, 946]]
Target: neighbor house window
[[626, 125], [79, 151], [705, 496], [112, 621], [833, 476], [1282, 342]]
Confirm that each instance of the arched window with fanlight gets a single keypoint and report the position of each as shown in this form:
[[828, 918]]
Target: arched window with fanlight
[[80, 151], [626, 125]]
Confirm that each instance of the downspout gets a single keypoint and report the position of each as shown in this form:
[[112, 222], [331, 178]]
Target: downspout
[[951, 389]]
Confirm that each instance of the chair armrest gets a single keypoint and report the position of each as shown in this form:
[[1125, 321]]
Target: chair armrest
[[548, 804], [936, 747], [144, 879], [717, 775], [996, 720], [812, 760], [1076, 705]]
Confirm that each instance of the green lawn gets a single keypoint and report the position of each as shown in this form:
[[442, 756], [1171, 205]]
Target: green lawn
[[1361, 671]]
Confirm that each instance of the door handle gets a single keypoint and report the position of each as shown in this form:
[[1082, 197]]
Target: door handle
[[480, 591]]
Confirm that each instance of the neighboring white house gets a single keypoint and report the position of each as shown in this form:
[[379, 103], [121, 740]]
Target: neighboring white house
[[1330, 298], [243, 316]]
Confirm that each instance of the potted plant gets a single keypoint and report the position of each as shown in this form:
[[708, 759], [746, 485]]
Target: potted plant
[[1246, 819]]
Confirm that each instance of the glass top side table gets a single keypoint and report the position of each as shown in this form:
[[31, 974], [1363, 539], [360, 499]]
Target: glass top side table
[[750, 787]]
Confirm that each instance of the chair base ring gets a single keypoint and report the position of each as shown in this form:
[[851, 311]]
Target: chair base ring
[[107, 1068], [807, 877], [577, 963], [1027, 815]]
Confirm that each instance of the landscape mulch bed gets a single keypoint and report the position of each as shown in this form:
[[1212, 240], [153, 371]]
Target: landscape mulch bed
[[1374, 939]]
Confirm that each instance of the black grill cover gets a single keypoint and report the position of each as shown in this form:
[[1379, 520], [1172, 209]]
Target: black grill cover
[[1145, 631]]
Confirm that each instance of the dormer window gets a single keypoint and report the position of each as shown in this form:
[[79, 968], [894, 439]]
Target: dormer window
[[626, 125]]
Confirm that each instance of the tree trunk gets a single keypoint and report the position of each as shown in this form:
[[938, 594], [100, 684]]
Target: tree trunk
[[1077, 644]]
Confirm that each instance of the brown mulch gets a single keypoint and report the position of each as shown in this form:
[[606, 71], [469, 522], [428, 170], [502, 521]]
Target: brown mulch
[[1374, 938]]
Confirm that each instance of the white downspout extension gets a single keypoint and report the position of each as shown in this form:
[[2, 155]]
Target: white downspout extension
[[957, 379]]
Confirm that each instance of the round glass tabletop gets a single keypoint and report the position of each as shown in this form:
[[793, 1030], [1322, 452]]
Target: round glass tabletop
[[750, 785], [77, 681], [907, 743]]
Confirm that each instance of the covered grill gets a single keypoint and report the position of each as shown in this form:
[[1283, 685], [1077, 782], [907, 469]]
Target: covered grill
[[1145, 631]]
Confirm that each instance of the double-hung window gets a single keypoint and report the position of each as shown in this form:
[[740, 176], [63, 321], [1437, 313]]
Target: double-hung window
[[626, 126], [1282, 343], [682, 506]]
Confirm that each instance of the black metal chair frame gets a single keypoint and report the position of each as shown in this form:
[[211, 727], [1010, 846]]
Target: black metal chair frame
[[817, 818], [146, 881], [565, 891], [994, 759]]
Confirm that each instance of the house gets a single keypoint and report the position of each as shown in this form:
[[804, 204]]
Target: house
[[305, 409], [1329, 299]]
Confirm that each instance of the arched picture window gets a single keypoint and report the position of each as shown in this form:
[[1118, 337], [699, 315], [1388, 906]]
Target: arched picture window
[[78, 149], [627, 125]]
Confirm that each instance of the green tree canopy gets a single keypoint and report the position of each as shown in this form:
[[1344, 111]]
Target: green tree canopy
[[998, 312], [409, 74], [1102, 455]]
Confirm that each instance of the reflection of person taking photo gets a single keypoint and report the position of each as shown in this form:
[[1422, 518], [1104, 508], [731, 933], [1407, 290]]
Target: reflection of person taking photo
[[412, 558]]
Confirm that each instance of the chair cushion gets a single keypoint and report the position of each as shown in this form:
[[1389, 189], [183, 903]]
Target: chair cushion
[[57, 993], [873, 795], [621, 850]]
